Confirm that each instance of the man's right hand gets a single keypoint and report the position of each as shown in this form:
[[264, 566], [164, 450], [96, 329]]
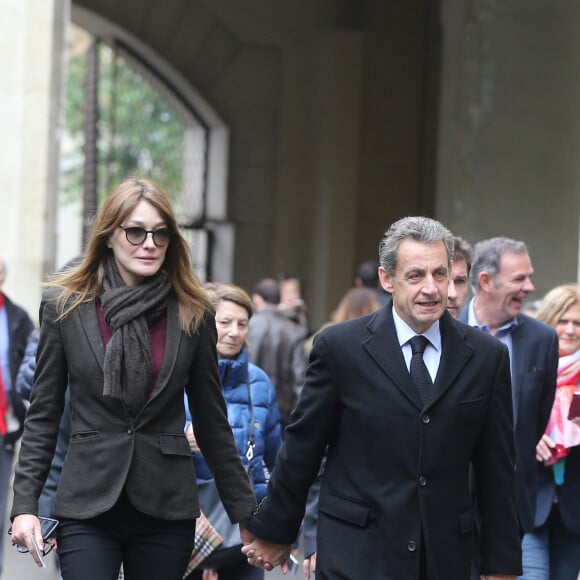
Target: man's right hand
[[267, 555]]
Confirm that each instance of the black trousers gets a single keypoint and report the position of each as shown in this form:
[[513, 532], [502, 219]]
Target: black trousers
[[149, 548]]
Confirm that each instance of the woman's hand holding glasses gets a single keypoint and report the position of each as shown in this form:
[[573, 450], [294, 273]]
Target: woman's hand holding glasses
[[27, 537]]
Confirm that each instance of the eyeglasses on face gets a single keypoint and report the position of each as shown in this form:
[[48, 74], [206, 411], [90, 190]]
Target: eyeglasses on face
[[136, 235]]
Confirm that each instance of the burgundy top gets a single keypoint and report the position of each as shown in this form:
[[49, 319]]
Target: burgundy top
[[157, 332]]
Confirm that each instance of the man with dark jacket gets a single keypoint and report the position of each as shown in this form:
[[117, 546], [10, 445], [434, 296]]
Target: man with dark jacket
[[15, 329], [406, 400], [276, 346], [501, 281]]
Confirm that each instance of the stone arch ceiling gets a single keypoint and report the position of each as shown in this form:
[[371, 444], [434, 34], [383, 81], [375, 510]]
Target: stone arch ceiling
[[231, 53], [196, 39]]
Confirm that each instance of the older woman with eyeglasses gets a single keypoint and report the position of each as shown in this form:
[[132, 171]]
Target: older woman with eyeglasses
[[552, 550], [253, 415], [130, 329]]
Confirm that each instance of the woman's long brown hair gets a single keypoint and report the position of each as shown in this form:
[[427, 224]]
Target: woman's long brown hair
[[83, 283]]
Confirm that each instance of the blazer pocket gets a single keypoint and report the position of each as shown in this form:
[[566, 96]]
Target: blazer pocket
[[342, 508], [174, 444], [466, 522], [80, 436], [472, 403]]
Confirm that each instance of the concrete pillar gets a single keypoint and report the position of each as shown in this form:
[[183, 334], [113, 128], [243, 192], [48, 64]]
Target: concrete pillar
[[509, 134], [320, 135], [32, 47]]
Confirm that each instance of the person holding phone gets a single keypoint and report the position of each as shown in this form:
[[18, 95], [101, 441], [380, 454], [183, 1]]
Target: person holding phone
[[129, 330], [552, 549]]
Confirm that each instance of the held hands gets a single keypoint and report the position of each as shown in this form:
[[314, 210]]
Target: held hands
[[266, 554], [25, 531]]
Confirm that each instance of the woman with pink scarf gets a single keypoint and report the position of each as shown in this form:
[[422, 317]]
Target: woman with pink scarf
[[552, 550]]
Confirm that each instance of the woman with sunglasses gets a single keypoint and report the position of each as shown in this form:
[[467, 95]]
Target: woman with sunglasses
[[130, 329]]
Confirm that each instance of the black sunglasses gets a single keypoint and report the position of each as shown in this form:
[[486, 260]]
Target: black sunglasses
[[136, 235]]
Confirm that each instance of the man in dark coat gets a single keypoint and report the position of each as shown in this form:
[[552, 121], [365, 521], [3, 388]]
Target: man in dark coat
[[501, 281], [15, 329], [276, 345], [395, 501]]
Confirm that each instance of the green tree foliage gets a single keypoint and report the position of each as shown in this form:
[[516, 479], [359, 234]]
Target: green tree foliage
[[138, 132]]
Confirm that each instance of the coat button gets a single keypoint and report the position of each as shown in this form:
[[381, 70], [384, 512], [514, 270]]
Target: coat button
[[422, 481], [426, 419], [411, 546], [129, 431]]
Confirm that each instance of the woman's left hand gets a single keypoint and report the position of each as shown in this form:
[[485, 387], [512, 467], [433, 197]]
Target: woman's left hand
[[25, 531]]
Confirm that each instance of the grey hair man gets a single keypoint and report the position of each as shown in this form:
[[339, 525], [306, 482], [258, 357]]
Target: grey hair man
[[501, 279], [389, 395]]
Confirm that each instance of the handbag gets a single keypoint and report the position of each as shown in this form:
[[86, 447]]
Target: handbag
[[229, 552], [207, 540]]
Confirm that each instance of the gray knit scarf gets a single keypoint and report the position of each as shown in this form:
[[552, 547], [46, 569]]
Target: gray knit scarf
[[129, 310]]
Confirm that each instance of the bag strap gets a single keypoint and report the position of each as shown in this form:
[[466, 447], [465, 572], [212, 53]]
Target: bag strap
[[251, 435]]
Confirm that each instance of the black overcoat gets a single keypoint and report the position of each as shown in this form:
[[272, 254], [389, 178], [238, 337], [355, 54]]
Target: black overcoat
[[396, 480]]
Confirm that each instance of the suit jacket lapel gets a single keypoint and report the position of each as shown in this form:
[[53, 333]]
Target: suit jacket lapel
[[383, 347], [454, 356], [518, 336]]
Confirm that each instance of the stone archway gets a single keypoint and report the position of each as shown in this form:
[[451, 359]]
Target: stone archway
[[204, 208]]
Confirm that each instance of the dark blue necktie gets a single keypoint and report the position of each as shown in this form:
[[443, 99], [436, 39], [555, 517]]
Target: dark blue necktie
[[418, 370]]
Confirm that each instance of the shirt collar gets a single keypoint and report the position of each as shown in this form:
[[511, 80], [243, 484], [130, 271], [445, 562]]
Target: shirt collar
[[507, 326], [405, 333]]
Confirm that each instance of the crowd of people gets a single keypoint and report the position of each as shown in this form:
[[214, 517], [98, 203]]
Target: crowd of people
[[418, 433]]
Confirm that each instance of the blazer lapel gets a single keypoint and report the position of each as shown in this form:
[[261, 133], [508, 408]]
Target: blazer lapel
[[384, 349], [172, 342], [454, 356], [92, 329]]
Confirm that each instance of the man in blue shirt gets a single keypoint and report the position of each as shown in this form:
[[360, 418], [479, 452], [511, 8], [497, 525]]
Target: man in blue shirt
[[501, 281]]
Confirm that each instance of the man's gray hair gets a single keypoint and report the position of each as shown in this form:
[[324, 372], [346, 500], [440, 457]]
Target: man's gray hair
[[487, 257], [418, 228]]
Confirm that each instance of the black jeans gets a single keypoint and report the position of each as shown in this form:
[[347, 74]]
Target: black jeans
[[149, 548]]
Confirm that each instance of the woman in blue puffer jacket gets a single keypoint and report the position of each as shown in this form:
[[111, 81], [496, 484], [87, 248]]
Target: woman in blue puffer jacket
[[240, 381]]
